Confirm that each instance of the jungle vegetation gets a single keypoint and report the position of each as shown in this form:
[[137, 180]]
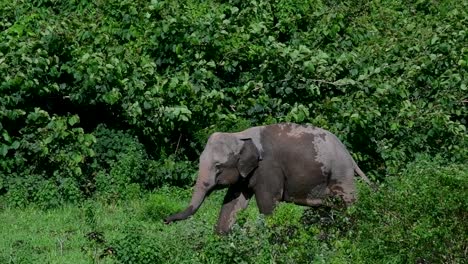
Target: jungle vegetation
[[105, 106]]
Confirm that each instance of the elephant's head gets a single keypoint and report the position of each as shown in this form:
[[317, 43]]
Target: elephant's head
[[226, 159]]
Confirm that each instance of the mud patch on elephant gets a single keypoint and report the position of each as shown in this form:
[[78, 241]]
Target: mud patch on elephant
[[323, 151], [336, 188], [318, 191], [299, 131]]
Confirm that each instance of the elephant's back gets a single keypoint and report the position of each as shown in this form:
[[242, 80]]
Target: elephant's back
[[291, 145], [305, 146]]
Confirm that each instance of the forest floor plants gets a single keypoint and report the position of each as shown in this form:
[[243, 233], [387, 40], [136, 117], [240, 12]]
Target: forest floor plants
[[418, 216]]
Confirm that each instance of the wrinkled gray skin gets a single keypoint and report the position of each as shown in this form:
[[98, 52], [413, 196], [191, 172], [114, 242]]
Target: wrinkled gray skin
[[282, 162]]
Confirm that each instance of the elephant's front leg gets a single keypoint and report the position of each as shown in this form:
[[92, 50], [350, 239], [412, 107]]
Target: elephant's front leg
[[269, 188], [236, 199]]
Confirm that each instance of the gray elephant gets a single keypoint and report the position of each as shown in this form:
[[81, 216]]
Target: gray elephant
[[283, 162]]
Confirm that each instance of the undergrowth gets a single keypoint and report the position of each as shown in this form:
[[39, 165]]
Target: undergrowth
[[418, 216]]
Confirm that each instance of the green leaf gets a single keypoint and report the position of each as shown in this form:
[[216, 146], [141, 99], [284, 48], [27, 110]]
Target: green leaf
[[174, 82], [73, 120], [211, 64], [3, 149], [90, 138], [146, 105], [345, 81], [394, 126], [91, 153], [48, 139], [6, 137], [85, 57], [77, 170], [77, 158], [15, 145]]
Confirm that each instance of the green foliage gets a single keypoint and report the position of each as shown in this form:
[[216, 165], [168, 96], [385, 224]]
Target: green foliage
[[111, 144], [123, 167], [159, 205], [94, 247], [106, 99], [169, 171], [389, 80], [119, 183], [419, 216], [84, 84], [246, 244], [42, 192], [52, 152], [21, 252], [134, 247]]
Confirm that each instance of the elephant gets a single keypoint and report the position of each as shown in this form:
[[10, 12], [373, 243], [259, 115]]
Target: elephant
[[300, 164]]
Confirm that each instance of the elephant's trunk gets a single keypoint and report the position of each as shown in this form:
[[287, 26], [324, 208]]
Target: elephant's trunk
[[202, 187]]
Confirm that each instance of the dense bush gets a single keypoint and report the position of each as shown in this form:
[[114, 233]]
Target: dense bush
[[120, 164], [420, 216], [388, 77]]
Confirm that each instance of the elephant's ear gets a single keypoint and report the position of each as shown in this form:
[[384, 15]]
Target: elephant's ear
[[248, 158]]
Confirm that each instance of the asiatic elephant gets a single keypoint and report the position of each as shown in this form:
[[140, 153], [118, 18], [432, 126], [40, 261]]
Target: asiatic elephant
[[282, 162]]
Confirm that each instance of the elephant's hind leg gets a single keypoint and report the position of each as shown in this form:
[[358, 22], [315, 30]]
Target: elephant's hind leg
[[344, 189], [236, 199]]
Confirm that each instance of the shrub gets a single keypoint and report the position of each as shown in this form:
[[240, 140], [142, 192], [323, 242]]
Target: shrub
[[246, 244], [111, 144], [135, 247], [69, 190], [33, 189], [170, 171], [419, 216], [119, 183], [52, 151]]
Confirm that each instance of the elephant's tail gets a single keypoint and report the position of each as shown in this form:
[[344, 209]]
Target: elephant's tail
[[362, 175]]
